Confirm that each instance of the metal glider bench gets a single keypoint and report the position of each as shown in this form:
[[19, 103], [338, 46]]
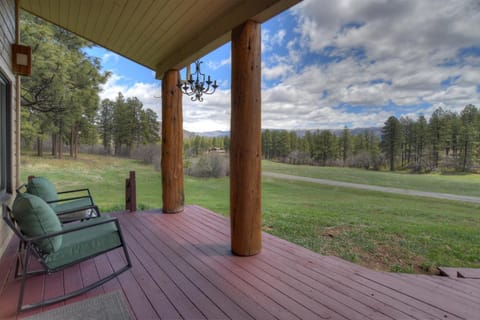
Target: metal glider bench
[[70, 205], [57, 246]]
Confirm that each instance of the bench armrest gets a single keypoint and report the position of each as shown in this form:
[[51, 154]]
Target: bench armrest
[[80, 226]]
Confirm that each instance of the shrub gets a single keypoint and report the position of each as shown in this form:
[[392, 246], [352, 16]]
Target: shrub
[[209, 165], [147, 153]]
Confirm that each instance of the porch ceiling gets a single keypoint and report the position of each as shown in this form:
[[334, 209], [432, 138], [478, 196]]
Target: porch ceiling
[[159, 34]]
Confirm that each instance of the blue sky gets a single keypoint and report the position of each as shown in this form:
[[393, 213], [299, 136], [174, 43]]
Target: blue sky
[[330, 64]]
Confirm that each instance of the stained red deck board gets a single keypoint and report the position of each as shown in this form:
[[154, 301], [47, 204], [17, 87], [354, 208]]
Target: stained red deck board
[[301, 305], [166, 279], [72, 281], [448, 272], [221, 275], [90, 275], [300, 257], [290, 283], [141, 306], [148, 281], [182, 266], [200, 291], [469, 273], [336, 294], [54, 287]]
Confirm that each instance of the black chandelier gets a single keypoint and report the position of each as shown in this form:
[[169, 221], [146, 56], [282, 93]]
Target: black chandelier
[[195, 85]]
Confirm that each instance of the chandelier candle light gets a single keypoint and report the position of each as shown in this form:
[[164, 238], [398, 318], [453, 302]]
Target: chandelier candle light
[[195, 85]]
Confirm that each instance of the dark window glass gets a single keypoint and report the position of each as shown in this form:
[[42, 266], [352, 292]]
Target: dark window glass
[[3, 133]]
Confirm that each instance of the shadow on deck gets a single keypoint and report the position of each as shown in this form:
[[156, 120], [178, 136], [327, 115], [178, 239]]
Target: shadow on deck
[[183, 268]]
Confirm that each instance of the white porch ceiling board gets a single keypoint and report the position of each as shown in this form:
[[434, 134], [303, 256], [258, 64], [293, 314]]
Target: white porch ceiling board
[[159, 34], [54, 8], [140, 13], [179, 34], [94, 20], [147, 27], [91, 19], [111, 20], [167, 27]]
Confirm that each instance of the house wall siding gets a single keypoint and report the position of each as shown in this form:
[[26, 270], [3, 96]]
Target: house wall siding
[[7, 38]]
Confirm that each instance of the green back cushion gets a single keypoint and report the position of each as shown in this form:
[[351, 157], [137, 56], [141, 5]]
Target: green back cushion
[[35, 218], [43, 188]]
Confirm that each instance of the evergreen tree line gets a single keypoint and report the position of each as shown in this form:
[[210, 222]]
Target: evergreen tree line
[[124, 125], [60, 99], [446, 141], [198, 145]]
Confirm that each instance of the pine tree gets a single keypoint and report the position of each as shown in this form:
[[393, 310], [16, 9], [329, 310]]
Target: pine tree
[[391, 140]]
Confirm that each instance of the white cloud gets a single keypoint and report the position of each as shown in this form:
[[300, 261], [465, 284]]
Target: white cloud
[[210, 115], [214, 65], [381, 52], [269, 41], [109, 56], [346, 60], [279, 71], [148, 93]]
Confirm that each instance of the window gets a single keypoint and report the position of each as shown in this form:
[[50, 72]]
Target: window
[[4, 134]]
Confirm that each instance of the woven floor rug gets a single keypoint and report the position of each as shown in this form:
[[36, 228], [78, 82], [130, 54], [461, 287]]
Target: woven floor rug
[[108, 306]]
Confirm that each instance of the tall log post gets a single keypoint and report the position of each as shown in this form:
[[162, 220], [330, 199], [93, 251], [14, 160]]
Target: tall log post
[[245, 148], [172, 144]]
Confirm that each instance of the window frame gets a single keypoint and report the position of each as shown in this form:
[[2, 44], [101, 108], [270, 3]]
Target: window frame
[[5, 134]]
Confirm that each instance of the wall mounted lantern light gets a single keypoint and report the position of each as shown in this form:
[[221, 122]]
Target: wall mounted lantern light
[[21, 60]]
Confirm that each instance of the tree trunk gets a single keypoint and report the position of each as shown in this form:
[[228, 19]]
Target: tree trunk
[[392, 160], [465, 154], [39, 147], [54, 144], [72, 139], [60, 142]]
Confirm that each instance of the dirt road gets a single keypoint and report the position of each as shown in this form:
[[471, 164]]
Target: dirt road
[[417, 193]]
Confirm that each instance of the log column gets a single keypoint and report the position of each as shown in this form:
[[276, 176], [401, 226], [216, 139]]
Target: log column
[[172, 144], [245, 148]]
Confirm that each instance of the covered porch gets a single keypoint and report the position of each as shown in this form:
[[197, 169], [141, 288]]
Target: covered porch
[[183, 268]]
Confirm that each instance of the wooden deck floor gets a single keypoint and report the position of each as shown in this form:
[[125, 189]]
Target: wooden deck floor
[[183, 268]]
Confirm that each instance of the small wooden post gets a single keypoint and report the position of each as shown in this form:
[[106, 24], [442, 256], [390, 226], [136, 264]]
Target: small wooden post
[[30, 178], [172, 144], [245, 148], [131, 192]]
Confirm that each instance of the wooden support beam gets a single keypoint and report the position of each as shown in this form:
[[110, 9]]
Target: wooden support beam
[[172, 144], [245, 148]]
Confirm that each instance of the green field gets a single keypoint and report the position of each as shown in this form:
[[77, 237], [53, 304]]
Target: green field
[[378, 230], [461, 184]]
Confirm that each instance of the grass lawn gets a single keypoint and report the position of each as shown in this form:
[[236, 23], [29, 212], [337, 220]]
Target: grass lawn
[[382, 231], [461, 184]]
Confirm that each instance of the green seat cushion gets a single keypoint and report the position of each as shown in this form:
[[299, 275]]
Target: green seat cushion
[[35, 218], [81, 244], [43, 188], [72, 205]]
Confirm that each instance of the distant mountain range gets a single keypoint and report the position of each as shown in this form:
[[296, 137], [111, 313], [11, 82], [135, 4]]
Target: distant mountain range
[[210, 134]]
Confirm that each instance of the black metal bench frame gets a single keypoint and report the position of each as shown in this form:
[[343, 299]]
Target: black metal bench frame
[[61, 214], [27, 248]]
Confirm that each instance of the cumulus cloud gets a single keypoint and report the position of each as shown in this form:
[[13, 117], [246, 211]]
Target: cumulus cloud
[[215, 65], [270, 41], [351, 63], [109, 56], [371, 55], [210, 115], [148, 93]]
